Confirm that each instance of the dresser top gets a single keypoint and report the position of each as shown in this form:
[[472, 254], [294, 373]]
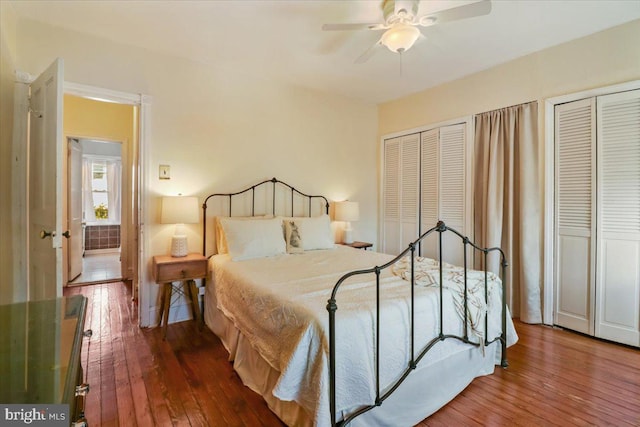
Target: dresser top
[[40, 349]]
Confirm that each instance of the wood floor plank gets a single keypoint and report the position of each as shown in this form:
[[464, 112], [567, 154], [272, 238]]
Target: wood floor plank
[[152, 377], [555, 377], [581, 390], [124, 396], [142, 411]]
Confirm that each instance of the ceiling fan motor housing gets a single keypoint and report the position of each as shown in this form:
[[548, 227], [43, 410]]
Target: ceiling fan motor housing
[[399, 10]]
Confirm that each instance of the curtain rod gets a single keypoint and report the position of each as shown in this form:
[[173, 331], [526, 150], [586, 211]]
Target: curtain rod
[[504, 108]]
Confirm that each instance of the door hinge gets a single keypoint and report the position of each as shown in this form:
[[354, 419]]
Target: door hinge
[[36, 113]]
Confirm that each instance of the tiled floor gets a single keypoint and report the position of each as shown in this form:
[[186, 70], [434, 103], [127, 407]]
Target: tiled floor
[[99, 268]]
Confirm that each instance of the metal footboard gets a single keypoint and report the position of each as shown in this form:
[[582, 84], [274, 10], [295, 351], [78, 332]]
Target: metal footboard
[[332, 307]]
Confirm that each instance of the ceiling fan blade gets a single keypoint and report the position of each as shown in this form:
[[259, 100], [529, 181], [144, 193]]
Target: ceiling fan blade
[[348, 27], [480, 8], [368, 53]]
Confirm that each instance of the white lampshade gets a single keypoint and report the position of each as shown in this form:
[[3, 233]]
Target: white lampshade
[[347, 212], [400, 37], [179, 210]]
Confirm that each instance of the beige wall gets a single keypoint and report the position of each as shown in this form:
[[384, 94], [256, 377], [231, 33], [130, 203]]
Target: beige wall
[[601, 59], [8, 289], [221, 129]]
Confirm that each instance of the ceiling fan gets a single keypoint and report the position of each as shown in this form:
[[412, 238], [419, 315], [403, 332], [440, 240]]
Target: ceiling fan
[[401, 22]]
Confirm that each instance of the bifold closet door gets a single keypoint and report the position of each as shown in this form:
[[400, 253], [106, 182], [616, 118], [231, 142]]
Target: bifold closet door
[[400, 192], [452, 190], [430, 194], [443, 189], [575, 224], [618, 212]]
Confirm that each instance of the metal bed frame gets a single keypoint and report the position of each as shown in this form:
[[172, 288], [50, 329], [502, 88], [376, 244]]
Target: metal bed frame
[[332, 305], [295, 195]]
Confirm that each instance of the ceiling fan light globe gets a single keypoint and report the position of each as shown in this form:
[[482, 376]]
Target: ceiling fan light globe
[[400, 37]]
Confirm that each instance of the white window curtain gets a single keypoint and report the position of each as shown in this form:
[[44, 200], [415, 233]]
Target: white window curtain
[[88, 212], [113, 190], [507, 201]]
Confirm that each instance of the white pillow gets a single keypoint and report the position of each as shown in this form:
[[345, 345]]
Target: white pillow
[[315, 232], [253, 238], [221, 241]]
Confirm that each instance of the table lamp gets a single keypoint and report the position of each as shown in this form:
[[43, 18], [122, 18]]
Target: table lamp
[[347, 211], [179, 210]]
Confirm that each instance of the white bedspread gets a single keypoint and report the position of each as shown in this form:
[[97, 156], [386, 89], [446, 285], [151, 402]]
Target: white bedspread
[[279, 304]]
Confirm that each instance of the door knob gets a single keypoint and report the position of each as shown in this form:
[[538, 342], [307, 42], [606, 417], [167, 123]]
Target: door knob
[[44, 234], [66, 234]]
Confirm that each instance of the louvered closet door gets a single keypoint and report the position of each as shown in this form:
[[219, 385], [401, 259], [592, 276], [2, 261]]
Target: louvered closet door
[[429, 190], [452, 189], [401, 192], [618, 271], [391, 196], [443, 189], [575, 215]]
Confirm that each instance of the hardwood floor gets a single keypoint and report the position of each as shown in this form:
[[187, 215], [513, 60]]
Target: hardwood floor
[[555, 377]]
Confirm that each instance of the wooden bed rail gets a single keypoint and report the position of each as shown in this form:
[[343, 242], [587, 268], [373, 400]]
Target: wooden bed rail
[[332, 307]]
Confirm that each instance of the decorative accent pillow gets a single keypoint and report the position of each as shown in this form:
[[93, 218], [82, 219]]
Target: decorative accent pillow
[[315, 232], [221, 241], [253, 238], [292, 237]]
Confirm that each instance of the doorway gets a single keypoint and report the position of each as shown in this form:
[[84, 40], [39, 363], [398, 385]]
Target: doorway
[[101, 205], [40, 250], [94, 211]]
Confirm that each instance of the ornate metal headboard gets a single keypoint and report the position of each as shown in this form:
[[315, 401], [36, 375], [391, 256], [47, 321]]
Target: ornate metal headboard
[[288, 191]]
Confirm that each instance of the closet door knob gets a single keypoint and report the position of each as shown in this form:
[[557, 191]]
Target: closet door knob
[[66, 234]]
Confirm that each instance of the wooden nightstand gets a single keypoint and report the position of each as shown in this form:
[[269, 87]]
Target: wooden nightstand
[[359, 245], [167, 269]]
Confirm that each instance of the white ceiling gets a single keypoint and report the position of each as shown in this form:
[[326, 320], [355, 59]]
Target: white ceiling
[[283, 39]]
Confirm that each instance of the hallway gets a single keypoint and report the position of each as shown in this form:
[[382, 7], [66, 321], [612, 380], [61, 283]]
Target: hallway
[[99, 268]]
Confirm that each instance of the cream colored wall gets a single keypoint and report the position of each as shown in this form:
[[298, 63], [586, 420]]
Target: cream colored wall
[[222, 129], [601, 59], [87, 118], [9, 291]]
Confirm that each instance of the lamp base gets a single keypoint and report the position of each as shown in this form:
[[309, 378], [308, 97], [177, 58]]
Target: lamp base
[[179, 247], [348, 236]]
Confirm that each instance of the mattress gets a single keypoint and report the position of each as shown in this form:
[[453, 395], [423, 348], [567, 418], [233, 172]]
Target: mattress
[[271, 315]]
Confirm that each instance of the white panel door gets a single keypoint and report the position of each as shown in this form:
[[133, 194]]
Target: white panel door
[[45, 154], [74, 211], [575, 215], [618, 277]]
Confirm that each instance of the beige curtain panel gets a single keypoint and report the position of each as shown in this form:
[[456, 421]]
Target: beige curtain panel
[[507, 201]]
